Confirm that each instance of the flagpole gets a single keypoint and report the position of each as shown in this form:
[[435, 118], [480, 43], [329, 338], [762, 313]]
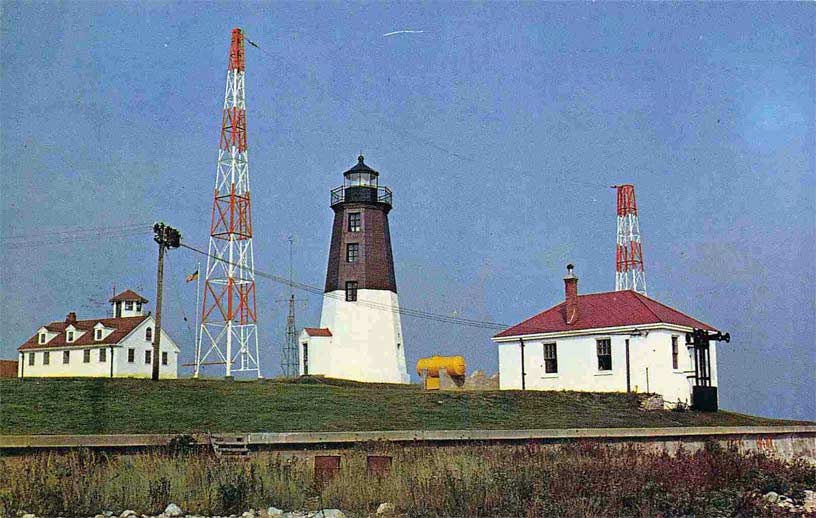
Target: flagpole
[[197, 330]]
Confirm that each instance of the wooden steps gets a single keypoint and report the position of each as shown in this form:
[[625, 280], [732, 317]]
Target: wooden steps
[[230, 446]]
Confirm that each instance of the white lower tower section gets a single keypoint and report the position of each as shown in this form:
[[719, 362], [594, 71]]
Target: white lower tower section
[[366, 339]]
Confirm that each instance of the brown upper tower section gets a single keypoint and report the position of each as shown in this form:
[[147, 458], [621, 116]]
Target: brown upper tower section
[[361, 240]]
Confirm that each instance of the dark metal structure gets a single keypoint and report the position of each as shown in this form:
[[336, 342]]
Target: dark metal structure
[[704, 395]]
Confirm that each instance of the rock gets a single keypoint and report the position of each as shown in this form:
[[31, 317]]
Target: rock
[[29, 515], [329, 513], [771, 497], [653, 403], [173, 510], [272, 511], [108, 513], [99, 516], [810, 501], [386, 508], [249, 514]]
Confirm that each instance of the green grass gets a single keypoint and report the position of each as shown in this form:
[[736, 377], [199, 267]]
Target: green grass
[[88, 406]]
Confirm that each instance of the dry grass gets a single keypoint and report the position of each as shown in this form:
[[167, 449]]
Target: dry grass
[[582, 479]]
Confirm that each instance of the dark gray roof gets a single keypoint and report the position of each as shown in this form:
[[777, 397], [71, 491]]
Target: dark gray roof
[[361, 168]]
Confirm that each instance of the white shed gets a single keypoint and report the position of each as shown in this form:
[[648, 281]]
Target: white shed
[[616, 341]]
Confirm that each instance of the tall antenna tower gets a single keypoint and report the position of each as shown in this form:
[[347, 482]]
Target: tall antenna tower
[[290, 359], [229, 331], [629, 274]]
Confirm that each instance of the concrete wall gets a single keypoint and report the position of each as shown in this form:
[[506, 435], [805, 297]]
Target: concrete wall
[[786, 442], [578, 365], [367, 341]]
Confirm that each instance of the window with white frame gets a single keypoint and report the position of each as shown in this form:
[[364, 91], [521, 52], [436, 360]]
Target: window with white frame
[[69, 336], [129, 305], [604, 348], [149, 334], [147, 356], [31, 359], [354, 222], [550, 359], [103, 355], [164, 358], [351, 291], [46, 357], [131, 355], [98, 334], [66, 357], [352, 252], [86, 356], [42, 338], [138, 306]]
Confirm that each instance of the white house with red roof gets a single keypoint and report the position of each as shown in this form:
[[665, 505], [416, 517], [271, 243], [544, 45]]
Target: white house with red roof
[[602, 342], [117, 347]]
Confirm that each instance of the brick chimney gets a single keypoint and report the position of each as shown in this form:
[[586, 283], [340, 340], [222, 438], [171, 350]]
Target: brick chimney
[[571, 293]]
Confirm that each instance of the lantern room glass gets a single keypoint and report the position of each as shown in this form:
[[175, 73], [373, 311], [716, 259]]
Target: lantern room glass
[[360, 179]]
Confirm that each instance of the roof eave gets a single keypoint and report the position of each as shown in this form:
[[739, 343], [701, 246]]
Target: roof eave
[[627, 329]]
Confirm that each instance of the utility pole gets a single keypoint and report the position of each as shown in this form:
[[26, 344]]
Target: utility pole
[[167, 237]]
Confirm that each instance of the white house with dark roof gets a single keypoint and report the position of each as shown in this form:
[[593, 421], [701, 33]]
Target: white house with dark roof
[[117, 347], [616, 341]]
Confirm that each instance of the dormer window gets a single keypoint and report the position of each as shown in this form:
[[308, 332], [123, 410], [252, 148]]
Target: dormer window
[[97, 334], [69, 336], [42, 338]]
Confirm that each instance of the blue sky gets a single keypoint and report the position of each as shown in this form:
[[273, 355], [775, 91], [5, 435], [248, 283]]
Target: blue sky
[[499, 129]]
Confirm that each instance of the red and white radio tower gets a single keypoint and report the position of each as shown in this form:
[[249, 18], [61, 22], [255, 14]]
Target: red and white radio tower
[[629, 274], [229, 332]]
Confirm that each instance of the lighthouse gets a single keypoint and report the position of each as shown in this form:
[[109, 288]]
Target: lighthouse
[[360, 333]]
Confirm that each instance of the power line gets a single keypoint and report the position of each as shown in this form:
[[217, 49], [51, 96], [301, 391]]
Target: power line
[[416, 313], [45, 240], [76, 231], [410, 134]]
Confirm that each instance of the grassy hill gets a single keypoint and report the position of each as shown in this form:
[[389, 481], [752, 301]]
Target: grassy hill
[[89, 406]]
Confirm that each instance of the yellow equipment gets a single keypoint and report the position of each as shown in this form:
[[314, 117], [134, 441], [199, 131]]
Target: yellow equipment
[[429, 369]]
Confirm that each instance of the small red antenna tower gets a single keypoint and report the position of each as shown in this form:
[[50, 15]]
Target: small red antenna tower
[[629, 274], [229, 332]]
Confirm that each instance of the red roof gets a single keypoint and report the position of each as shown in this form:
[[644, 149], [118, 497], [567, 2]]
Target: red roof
[[600, 310], [128, 295], [123, 326], [317, 331]]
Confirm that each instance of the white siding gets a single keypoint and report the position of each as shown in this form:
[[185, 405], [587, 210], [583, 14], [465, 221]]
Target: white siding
[[96, 369], [367, 341], [75, 368], [578, 365], [139, 369]]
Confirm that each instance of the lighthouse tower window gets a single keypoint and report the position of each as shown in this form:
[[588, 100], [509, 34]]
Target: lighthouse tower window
[[351, 291], [352, 252], [354, 222]]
